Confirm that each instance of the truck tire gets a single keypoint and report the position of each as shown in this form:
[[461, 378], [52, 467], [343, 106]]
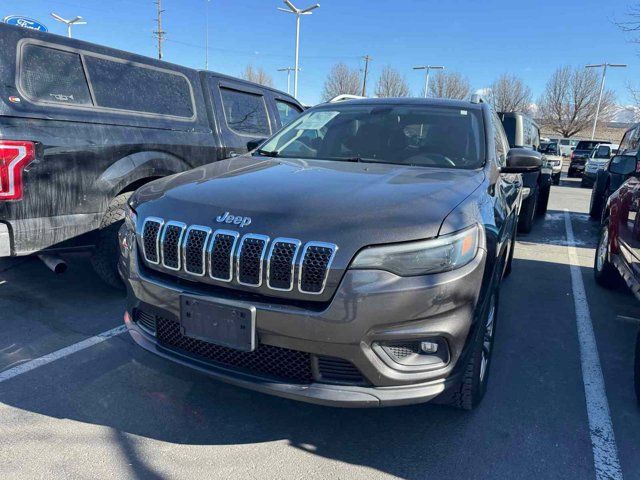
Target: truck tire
[[528, 212], [543, 201], [473, 385], [596, 204], [105, 256], [556, 179], [604, 272]]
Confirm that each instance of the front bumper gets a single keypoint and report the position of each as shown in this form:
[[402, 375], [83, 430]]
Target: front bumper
[[369, 308], [5, 241]]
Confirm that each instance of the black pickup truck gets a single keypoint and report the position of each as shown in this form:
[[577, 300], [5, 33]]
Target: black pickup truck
[[82, 126]]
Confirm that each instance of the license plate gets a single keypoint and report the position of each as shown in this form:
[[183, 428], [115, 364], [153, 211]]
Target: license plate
[[217, 322]]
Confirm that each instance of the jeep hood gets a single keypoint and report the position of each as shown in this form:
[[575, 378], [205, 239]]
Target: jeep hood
[[349, 204]]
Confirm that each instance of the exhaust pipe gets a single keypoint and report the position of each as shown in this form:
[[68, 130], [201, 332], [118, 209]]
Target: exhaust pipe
[[53, 262]]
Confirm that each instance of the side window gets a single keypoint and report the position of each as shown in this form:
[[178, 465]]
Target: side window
[[124, 86], [287, 112], [502, 145], [246, 113], [50, 75]]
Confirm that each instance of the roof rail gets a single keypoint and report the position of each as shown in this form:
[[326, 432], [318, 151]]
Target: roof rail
[[344, 96]]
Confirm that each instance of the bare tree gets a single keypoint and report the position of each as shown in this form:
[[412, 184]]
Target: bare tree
[[449, 85], [391, 84], [509, 94], [570, 100], [341, 80], [257, 75]]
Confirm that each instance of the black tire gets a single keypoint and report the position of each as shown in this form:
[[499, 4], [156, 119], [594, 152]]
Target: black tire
[[543, 201], [583, 183], [570, 173], [596, 205], [604, 272], [556, 179], [528, 212], [105, 257], [637, 368], [470, 391]]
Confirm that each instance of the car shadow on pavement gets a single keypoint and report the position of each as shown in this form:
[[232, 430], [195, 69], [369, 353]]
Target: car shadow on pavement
[[524, 418]]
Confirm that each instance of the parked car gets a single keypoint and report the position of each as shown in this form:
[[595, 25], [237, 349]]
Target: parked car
[[567, 146], [598, 160], [552, 159], [355, 259], [82, 126], [523, 132], [580, 155], [608, 181]]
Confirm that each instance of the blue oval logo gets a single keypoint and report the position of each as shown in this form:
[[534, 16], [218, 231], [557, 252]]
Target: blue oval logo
[[20, 21]]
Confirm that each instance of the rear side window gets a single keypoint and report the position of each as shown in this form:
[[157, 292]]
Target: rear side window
[[287, 112], [246, 113], [50, 75], [124, 86]]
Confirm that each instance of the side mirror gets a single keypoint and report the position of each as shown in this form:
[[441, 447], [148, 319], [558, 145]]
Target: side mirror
[[253, 144], [623, 165], [522, 160]]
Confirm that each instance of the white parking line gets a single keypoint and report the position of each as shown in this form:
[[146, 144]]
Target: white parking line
[[603, 441], [58, 354]]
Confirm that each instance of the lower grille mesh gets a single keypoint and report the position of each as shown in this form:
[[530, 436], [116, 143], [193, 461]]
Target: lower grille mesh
[[282, 363], [339, 370]]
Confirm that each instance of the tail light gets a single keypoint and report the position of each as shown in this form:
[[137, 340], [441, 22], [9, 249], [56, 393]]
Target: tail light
[[14, 157]]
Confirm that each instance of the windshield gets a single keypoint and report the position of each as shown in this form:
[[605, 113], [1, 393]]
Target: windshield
[[420, 135]]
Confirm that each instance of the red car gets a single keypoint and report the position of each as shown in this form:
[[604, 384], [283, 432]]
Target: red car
[[618, 252]]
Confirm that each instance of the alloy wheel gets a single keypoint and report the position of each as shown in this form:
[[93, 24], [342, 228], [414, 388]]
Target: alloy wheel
[[603, 249], [487, 340]]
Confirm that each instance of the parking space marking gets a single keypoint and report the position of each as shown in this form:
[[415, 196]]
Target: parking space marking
[[58, 354], [603, 441]]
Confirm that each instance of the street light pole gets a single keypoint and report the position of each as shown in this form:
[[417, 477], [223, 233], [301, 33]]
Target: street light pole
[[288, 70], [74, 21], [298, 12], [604, 74], [428, 69]]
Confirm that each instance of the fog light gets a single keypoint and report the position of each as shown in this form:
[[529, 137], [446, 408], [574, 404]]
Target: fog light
[[429, 347]]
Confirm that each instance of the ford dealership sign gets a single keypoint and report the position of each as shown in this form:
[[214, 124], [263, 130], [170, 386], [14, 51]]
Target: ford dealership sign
[[25, 22]]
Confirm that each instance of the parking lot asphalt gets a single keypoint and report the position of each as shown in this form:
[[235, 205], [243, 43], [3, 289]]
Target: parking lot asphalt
[[113, 410]]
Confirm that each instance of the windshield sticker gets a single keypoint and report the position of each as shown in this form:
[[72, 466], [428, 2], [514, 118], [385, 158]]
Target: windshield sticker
[[316, 120]]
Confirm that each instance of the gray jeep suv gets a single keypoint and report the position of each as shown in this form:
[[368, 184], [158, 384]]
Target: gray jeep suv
[[354, 259]]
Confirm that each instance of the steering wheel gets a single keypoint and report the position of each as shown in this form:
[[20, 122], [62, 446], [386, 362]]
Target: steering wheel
[[430, 159]]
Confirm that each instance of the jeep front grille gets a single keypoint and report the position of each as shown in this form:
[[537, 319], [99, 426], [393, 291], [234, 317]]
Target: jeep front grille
[[150, 239], [316, 260], [250, 258], [171, 244], [225, 257], [195, 250], [281, 263]]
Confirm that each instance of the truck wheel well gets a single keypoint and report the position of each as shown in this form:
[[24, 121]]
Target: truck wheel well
[[132, 187]]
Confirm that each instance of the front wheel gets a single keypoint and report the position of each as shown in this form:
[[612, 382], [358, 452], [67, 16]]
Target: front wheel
[[470, 392], [528, 212], [595, 205], [604, 272], [105, 257], [543, 201]]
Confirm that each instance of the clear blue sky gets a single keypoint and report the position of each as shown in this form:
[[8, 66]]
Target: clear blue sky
[[480, 39]]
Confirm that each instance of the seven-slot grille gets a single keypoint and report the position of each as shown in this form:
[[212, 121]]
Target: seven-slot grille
[[194, 250], [250, 259], [171, 245], [150, 238], [225, 257]]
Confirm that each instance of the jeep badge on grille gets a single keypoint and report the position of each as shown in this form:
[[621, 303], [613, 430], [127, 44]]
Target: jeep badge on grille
[[236, 220]]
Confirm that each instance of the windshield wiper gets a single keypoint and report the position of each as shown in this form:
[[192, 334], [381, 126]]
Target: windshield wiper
[[267, 153]]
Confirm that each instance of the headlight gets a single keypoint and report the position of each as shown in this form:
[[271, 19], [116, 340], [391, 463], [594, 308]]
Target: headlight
[[426, 256]]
